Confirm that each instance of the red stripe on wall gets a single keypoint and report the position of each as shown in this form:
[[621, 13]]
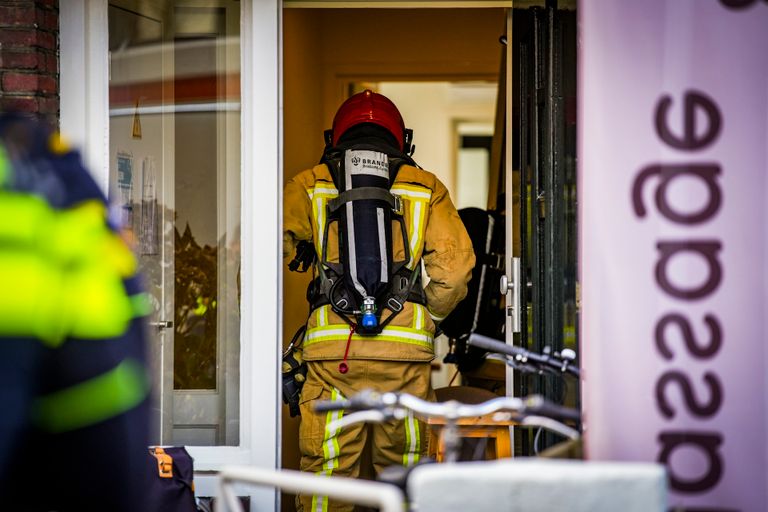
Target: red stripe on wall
[[207, 88]]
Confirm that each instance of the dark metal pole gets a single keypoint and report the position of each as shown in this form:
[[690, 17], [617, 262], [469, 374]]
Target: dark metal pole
[[524, 202], [536, 195]]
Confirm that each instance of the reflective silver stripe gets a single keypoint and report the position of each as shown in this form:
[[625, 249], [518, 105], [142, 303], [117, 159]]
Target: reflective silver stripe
[[323, 191], [395, 334], [320, 216], [351, 232], [412, 441], [411, 194], [418, 316], [418, 199], [319, 197], [415, 232], [322, 316], [382, 245], [330, 450]]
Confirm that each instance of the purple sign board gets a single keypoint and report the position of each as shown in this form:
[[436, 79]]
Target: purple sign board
[[673, 216]]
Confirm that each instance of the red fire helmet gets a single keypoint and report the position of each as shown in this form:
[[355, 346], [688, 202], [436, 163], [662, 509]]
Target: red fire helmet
[[369, 107]]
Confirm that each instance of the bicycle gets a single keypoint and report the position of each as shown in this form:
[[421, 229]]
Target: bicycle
[[533, 485], [369, 406]]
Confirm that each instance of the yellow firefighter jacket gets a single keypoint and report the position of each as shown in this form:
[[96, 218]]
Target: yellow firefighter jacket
[[436, 236]]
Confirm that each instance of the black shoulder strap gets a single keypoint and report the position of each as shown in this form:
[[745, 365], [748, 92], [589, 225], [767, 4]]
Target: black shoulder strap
[[356, 194], [332, 158]]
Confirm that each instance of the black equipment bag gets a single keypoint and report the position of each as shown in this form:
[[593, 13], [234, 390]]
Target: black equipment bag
[[482, 310], [170, 488]]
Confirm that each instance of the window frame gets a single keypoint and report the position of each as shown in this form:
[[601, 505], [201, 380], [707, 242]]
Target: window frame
[[84, 94]]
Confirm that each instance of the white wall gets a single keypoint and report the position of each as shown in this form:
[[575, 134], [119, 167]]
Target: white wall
[[432, 110]]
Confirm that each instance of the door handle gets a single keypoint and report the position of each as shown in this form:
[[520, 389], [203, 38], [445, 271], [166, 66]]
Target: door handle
[[505, 285], [513, 286], [162, 324]]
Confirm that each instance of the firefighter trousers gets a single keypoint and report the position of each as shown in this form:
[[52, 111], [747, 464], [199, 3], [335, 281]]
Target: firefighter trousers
[[401, 442]]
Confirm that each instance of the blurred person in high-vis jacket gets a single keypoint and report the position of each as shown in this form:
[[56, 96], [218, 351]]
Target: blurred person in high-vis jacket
[[369, 218], [73, 380]]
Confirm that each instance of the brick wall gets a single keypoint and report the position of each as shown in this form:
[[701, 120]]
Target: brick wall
[[29, 63]]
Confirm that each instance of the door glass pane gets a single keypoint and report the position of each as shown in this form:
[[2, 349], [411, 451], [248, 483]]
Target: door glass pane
[[473, 164], [174, 104]]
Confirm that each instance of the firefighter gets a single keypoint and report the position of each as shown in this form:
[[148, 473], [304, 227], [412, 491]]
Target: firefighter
[[73, 380], [382, 341]]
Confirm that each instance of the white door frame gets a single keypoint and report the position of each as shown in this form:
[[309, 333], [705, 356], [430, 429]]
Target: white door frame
[[84, 82], [85, 120]]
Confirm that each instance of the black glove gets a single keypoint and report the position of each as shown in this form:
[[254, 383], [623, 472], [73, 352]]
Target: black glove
[[305, 257], [294, 376]]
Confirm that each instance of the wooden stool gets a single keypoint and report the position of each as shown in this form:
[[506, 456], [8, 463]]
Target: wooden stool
[[480, 427]]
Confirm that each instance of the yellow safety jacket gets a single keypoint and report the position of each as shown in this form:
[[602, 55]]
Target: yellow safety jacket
[[437, 238]]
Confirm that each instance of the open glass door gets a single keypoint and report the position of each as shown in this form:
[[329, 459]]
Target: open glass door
[[175, 176], [545, 196]]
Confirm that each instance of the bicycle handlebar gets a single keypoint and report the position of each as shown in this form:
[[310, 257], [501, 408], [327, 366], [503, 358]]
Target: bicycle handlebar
[[336, 405], [515, 355], [387, 403], [370, 406], [364, 401]]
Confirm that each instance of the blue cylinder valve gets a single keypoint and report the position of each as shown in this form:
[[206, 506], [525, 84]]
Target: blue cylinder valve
[[369, 313]]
